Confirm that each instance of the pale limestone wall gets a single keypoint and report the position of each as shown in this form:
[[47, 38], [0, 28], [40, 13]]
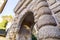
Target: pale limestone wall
[[2, 4], [46, 19]]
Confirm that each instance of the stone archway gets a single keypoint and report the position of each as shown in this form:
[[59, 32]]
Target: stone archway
[[26, 26], [22, 29], [47, 24]]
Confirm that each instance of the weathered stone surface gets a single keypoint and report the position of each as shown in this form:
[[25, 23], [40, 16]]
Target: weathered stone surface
[[51, 39], [51, 2], [2, 4], [58, 16], [54, 5], [49, 31], [56, 10], [46, 20], [23, 6], [39, 12], [42, 11], [39, 5], [20, 3]]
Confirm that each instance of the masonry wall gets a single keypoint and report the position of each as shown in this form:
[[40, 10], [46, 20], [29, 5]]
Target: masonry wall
[[46, 17]]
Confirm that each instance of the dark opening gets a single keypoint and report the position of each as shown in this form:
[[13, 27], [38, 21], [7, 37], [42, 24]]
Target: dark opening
[[27, 25]]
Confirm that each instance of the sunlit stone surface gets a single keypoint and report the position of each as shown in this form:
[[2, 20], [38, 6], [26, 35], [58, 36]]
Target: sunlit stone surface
[[2, 4]]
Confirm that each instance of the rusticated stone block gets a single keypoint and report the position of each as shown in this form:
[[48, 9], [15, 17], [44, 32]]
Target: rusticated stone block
[[49, 31], [42, 11], [46, 20]]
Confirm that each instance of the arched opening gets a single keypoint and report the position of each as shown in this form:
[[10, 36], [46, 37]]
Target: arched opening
[[27, 25]]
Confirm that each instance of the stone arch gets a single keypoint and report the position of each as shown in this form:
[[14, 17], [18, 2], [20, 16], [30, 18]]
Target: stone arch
[[26, 24], [21, 30]]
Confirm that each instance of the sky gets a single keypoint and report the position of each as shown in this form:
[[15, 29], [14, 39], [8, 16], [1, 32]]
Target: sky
[[9, 8]]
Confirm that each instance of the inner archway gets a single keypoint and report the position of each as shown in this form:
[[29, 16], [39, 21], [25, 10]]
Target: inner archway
[[27, 25]]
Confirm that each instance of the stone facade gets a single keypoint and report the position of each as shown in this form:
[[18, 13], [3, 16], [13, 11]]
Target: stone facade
[[41, 15], [2, 4]]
